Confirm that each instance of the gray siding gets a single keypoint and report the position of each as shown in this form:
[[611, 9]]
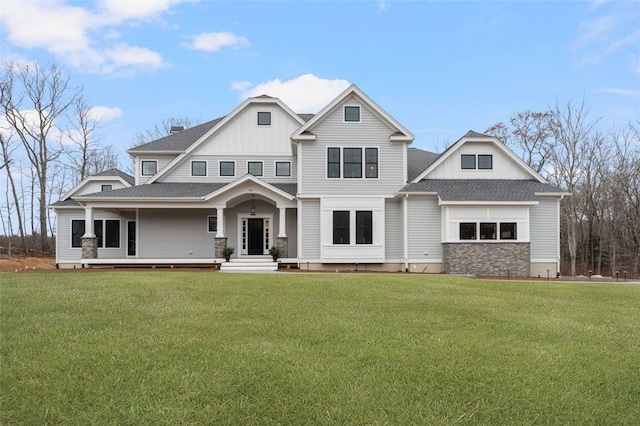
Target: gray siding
[[394, 229], [310, 228], [162, 163], [544, 232], [334, 132], [292, 232], [425, 228]]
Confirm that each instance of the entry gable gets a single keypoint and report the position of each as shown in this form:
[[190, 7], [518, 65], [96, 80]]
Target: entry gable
[[250, 185]]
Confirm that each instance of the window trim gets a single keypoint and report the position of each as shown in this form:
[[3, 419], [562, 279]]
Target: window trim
[[261, 168], [220, 163], [484, 226], [352, 107], [215, 218], [497, 228], [263, 114], [339, 162], [142, 163], [100, 231], [206, 171], [363, 162], [345, 163], [515, 231], [368, 229], [275, 168]]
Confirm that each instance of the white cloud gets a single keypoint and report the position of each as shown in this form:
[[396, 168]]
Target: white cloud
[[382, 5], [622, 92], [213, 42], [103, 113], [72, 32], [305, 94]]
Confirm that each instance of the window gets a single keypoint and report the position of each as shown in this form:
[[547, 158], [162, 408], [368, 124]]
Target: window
[[264, 118], [198, 168], [149, 168], [213, 223], [112, 234], [227, 168], [508, 231], [485, 162], [283, 168], [77, 231], [333, 162], [468, 161], [97, 230], [488, 231], [352, 162], [340, 227], [364, 227], [371, 162], [255, 168], [352, 113], [467, 231], [106, 188]]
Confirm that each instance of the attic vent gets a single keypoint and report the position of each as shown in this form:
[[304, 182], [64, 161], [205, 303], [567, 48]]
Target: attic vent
[[176, 129]]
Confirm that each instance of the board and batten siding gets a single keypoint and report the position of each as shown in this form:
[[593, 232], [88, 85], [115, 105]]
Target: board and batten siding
[[157, 230], [425, 229], [182, 173], [370, 132], [544, 230], [309, 214], [394, 230]]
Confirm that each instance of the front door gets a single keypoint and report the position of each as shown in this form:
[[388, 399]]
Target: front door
[[255, 236]]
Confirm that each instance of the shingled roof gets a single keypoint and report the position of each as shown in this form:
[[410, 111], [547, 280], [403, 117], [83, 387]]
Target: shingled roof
[[179, 141], [482, 190], [418, 161], [115, 172]]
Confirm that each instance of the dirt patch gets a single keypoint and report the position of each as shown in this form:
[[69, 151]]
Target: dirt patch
[[26, 263]]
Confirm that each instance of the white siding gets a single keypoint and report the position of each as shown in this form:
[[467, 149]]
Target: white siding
[[95, 185], [544, 230], [394, 230], [503, 166], [425, 233], [309, 215]]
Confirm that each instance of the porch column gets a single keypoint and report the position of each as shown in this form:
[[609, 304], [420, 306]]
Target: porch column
[[89, 239], [221, 240], [282, 231]]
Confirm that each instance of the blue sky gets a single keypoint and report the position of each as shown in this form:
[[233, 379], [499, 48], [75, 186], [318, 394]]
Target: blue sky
[[440, 68]]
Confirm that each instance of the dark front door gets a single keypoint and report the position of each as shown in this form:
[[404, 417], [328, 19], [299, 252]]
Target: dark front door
[[256, 237], [131, 238]]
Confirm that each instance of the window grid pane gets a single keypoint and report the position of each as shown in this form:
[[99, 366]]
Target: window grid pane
[[227, 168], [333, 162], [485, 162], [468, 161], [198, 168], [352, 162], [283, 168], [352, 113], [255, 168], [371, 166], [364, 227], [340, 227]]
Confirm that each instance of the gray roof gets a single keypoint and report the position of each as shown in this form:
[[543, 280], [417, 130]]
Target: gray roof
[[418, 161], [178, 141], [482, 189], [115, 172], [66, 203]]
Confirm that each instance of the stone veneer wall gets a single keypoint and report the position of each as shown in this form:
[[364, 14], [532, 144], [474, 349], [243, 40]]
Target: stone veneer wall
[[492, 259], [221, 243], [283, 244], [89, 247]]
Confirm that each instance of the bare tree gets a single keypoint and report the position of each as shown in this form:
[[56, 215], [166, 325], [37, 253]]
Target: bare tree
[[33, 98], [7, 153], [162, 129]]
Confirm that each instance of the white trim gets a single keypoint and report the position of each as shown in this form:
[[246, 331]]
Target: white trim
[[344, 114], [261, 168], [265, 241], [126, 237], [88, 179], [142, 168], [208, 218], [363, 162]]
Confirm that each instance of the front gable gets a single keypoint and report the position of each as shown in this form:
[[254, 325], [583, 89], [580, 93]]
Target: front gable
[[105, 181]]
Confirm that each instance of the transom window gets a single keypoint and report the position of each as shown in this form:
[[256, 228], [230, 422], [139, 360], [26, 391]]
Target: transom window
[[264, 118], [283, 168], [352, 113], [488, 231], [227, 168], [254, 168], [351, 164], [149, 167], [198, 168]]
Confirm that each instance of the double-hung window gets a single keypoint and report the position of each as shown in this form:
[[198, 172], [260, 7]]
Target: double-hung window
[[371, 162], [333, 162], [341, 229], [350, 163], [364, 227]]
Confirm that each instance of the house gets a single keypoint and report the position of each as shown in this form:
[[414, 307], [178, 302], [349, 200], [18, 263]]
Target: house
[[340, 189]]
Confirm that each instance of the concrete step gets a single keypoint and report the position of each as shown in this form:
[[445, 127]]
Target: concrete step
[[249, 265]]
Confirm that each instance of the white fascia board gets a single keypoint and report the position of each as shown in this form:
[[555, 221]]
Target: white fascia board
[[414, 194], [55, 208], [309, 137], [553, 194], [154, 152], [401, 138], [487, 203]]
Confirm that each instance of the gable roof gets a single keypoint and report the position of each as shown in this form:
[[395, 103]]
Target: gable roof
[[400, 132]]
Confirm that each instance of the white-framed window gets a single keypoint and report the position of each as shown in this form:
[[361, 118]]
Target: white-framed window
[[254, 168], [212, 224], [342, 220], [352, 163], [104, 188], [227, 168], [106, 230], [198, 168], [352, 113], [474, 231], [283, 168], [149, 167], [468, 161], [264, 118], [484, 161]]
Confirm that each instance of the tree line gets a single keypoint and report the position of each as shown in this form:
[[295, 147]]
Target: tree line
[[50, 142]]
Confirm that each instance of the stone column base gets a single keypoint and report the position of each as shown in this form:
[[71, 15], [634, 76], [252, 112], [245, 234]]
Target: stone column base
[[283, 244], [221, 243], [89, 247]]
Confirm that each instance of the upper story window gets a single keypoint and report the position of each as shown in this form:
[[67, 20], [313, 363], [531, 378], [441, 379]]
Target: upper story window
[[254, 168], [149, 167], [371, 162], [352, 113], [351, 163], [485, 161], [283, 168], [198, 168], [106, 188], [333, 162], [227, 168], [468, 161], [264, 118]]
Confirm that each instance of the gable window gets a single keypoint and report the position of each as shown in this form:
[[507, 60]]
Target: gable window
[[340, 227], [227, 168], [467, 231], [352, 162], [198, 168], [333, 162], [104, 188], [283, 168], [364, 227], [213, 224], [264, 118], [485, 162], [149, 168], [352, 113], [488, 231], [77, 231], [468, 161], [255, 168], [508, 231], [371, 162]]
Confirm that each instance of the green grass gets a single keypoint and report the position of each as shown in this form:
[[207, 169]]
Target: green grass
[[178, 347]]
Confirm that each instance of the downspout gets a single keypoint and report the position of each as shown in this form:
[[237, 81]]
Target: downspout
[[406, 231]]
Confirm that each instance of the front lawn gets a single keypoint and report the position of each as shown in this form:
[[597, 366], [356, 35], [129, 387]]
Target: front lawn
[[179, 347]]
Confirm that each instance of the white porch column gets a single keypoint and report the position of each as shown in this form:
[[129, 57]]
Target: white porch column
[[220, 219], [282, 231], [88, 223]]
